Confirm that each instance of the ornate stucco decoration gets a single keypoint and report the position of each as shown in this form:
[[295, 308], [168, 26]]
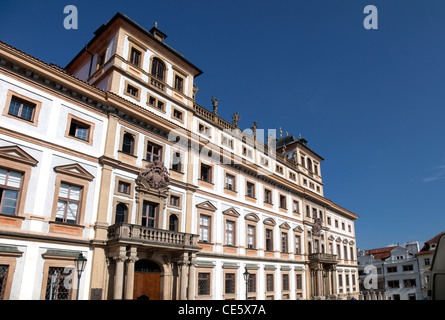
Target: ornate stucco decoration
[[317, 227], [155, 175]]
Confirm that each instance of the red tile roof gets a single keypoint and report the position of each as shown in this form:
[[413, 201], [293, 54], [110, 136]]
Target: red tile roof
[[380, 253], [427, 244]]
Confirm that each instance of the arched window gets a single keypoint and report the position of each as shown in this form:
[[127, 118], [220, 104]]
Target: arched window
[[121, 213], [128, 143], [158, 69], [173, 223]]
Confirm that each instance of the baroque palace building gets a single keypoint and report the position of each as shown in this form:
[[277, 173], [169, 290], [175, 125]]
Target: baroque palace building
[[112, 157]]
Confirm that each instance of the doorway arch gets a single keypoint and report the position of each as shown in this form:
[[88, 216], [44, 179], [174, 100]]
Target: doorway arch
[[147, 280]]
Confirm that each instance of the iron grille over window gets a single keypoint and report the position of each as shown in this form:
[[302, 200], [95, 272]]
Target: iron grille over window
[[3, 278], [58, 285], [203, 283]]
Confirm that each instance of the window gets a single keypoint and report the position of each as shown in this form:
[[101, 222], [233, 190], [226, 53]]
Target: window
[[22, 109], [336, 223], [10, 182], [4, 270], [121, 213], [251, 283], [206, 173], [285, 278], [411, 296], [229, 283], [426, 261], [158, 69], [299, 282], [177, 114], [264, 161], [297, 244], [203, 283], [204, 228], [176, 162], [269, 282], [132, 91], [128, 143], [230, 182], [267, 196], [79, 130], [338, 252], [123, 187], [329, 220], [284, 242], [391, 269], [302, 161], [226, 141], [156, 103], [269, 239], [68, 203], [135, 57], [174, 200], [279, 169], [296, 207], [393, 284], [149, 214], [100, 60], [179, 83], [203, 129], [250, 237], [292, 176], [230, 232], [247, 152], [173, 223], [250, 189], [309, 164], [316, 169], [396, 296], [409, 283], [56, 288], [283, 202], [154, 152]]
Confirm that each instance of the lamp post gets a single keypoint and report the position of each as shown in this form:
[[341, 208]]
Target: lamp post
[[80, 262], [246, 275]]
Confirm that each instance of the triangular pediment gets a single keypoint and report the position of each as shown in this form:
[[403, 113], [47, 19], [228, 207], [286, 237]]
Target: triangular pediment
[[298, 229], [231, 212], [206, 205], [75, 170], [331, 237], [285, 226], [17, 154]]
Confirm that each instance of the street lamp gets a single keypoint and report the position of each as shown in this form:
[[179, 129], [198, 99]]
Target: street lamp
[[246, 275], [80, 262]]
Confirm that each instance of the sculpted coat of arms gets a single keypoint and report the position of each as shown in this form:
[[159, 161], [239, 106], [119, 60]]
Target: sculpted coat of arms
[[155, 175]]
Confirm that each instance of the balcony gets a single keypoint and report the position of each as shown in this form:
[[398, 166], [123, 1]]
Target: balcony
[[124, 233], [322, 258]]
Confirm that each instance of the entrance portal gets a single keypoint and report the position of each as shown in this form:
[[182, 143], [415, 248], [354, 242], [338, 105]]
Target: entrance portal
[[147, 280]]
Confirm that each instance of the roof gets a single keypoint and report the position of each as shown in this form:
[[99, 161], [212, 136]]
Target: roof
[[380, 253], [290, 139], [118, 15], [427, 244]]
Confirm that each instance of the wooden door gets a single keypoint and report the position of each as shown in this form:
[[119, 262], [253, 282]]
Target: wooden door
[[147, 285]]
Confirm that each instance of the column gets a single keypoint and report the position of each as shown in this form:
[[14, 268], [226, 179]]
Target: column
[[129, 283], [334, 281], [319, 280], [183, 277], [192, 271], [120, 258]]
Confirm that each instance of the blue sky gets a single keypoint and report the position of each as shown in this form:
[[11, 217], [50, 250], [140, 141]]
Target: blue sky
[[371, 102]]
